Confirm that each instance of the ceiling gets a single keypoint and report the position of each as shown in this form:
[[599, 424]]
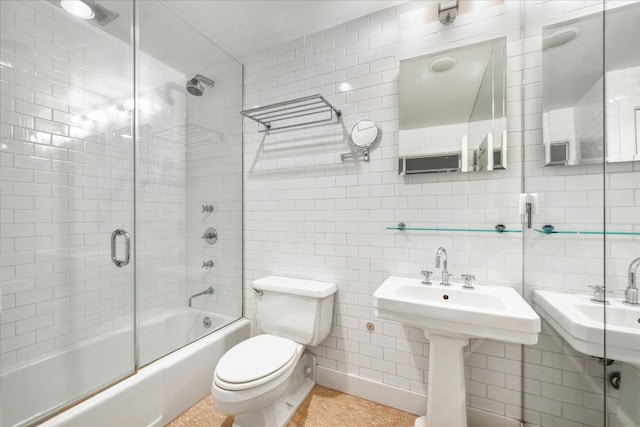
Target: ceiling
[[245, 27]]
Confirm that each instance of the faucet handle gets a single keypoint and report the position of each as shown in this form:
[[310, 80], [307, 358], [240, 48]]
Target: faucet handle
[[468, 280], [426, 274], [599, 293]]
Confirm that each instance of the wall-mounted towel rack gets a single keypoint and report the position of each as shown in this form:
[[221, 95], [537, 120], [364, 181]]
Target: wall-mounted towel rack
[[298, 112]]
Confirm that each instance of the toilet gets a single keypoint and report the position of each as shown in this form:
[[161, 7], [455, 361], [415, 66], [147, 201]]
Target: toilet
[[262, 380]]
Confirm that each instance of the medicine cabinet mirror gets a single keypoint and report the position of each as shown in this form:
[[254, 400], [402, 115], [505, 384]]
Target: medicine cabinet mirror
[[572, 53], [452, 110]]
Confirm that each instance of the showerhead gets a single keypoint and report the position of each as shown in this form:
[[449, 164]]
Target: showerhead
[[195, 87]]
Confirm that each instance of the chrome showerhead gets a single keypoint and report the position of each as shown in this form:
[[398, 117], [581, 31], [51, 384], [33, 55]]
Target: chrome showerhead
[[195, 87]]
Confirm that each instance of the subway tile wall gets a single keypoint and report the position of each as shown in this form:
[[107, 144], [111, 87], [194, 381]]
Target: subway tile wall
[[310, 215], [214, 177], [564, 387], [66, 182]]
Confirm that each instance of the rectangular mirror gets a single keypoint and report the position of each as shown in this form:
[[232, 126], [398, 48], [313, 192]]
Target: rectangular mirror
[[573, 86], [452, 110]]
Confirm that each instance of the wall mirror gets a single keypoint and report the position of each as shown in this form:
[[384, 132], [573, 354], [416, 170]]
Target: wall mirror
[[573, 84], [362, 138], [452, 110]]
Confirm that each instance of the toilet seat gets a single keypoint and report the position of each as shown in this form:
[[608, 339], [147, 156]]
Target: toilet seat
[[255, 361]]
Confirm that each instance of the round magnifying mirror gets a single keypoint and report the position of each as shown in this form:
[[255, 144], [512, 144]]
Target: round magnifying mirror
[[364, 134]]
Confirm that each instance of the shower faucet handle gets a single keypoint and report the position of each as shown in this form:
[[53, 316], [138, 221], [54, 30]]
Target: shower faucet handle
[[207, 208], [207, 264]]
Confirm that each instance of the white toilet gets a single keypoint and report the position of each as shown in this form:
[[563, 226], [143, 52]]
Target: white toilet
[[264, 379]]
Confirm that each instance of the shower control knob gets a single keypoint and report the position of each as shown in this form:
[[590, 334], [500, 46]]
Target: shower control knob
[[207, 264], [210, 235], [207, 208]]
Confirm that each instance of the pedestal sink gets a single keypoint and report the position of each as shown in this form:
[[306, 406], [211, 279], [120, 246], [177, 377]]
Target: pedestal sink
[[581, 322], [449, 317]]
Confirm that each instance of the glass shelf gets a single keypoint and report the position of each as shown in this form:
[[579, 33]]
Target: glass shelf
[[591, 233], [497, 229]]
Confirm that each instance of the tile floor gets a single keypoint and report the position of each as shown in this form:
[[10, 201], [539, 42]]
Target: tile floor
[[322, 408]]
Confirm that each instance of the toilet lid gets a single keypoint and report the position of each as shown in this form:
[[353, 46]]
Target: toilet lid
[[255, 358]]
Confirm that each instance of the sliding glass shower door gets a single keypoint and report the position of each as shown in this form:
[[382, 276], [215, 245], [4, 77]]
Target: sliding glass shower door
[[67, 173], [121, 196], [188, 184]]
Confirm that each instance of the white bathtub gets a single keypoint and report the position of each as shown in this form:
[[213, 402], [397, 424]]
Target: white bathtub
[[153, 396]]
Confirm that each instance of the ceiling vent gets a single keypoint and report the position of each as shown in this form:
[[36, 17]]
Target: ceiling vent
[[101, 15]]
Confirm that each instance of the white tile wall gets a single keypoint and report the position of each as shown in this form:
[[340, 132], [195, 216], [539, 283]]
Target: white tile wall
[[310, 215], [66, 181], [214, 177], [564, 387]]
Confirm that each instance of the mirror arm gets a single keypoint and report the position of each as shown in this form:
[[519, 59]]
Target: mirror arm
[[355, 154]]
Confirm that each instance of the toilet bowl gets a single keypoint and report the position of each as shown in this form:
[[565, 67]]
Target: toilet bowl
[[254, 373], [262, 380]]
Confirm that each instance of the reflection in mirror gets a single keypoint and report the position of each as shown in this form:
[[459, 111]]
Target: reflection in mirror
[[452, 110], [573, 86]]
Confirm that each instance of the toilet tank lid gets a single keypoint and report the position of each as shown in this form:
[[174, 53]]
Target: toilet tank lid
[[290, 285]]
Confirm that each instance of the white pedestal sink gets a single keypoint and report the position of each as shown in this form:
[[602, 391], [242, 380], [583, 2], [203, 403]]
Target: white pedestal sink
[[449, 317], [581, 322]]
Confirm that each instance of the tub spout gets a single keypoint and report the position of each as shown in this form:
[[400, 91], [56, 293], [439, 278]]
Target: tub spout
[[207, 291]]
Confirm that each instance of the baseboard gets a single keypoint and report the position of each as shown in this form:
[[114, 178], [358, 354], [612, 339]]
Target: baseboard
[[405, 400]]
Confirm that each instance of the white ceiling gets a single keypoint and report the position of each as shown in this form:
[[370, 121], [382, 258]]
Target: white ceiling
[[248, 26]]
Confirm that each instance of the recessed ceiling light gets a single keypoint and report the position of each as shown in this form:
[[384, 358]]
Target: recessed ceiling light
[[78, 8], [443, 64], [560, 37]]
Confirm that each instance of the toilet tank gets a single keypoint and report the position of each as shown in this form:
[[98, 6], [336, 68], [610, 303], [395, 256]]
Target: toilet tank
[[298, 309]]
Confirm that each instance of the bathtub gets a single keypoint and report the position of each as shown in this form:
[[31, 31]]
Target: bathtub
[[153, 396]]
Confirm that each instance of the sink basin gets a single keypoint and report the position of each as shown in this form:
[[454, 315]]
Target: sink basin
[[496, 312], [449, 317], [581, 323]]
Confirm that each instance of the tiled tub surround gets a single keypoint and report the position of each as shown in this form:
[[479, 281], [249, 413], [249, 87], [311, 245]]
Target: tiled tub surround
[[67, 174], [66, 181], [309, 214]]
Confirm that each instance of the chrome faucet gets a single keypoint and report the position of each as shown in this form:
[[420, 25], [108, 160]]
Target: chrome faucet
[[442, 253], [208, 291], [631, 293]]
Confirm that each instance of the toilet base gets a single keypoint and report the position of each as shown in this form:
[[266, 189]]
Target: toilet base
[[281, 411]]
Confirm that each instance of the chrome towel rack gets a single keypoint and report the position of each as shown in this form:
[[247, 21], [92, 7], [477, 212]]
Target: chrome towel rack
[[294, 113]]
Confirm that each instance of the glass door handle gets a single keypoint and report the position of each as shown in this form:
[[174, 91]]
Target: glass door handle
[[127, 247]]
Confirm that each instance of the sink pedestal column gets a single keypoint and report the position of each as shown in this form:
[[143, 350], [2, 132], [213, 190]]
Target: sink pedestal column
[[446, 401]]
